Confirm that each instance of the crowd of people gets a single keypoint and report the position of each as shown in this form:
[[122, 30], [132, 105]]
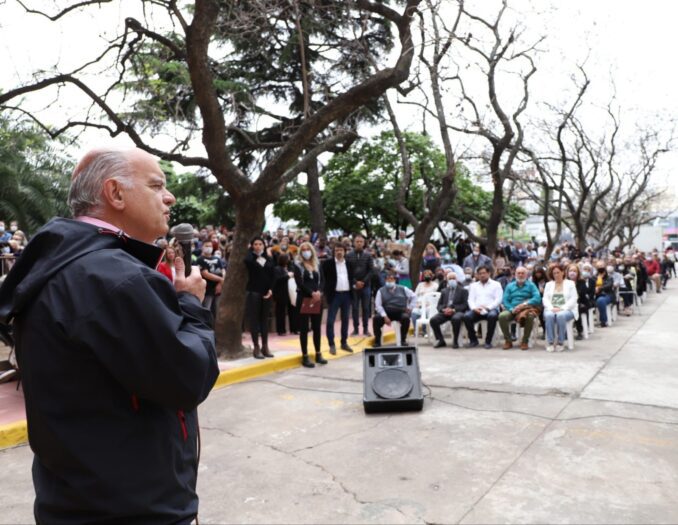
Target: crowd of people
[[365, 280], [368, 281]]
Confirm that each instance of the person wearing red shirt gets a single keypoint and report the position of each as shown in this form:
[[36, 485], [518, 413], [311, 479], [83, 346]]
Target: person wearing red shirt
[[654, 272]]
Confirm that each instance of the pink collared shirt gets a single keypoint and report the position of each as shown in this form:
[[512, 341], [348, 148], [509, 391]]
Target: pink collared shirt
[[98, 222]]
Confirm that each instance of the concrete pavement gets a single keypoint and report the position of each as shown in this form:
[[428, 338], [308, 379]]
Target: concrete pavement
[[589, 436]]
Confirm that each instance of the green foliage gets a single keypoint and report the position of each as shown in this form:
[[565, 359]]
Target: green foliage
[[361, 186], [34, 177], [200, 201], [258, 71]]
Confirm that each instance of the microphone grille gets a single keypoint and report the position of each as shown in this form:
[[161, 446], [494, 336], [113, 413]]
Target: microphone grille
[[183, 232]]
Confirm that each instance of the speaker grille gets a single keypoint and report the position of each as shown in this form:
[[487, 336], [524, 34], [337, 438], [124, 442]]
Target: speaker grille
[[392, 384]]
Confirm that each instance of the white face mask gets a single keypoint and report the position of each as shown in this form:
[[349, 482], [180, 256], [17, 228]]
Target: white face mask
[[390, 284], [585, 274], [572, 276], [610, 269], [207, 251], [452, 283], [476, 253], [306, 254]]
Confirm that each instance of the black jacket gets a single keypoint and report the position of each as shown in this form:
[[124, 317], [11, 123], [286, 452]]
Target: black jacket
[[459, 299], [607, 288], [363, 266], [280, 285], [586, 292], [260, 278], [114, 363], [329, 271], [307, 282]]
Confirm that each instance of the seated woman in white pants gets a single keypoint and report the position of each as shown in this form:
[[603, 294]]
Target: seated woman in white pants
[[560, 306]]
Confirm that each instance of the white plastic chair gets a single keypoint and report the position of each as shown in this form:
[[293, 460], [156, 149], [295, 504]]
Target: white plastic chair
[[591, 319], [585, 329], [429, 304], [483, 326]]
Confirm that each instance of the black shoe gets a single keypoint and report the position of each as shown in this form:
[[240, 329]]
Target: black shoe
[[455, 345], [333, 350], [403, 343], [266, 352], [306, 361], [282, 333], [355, 333], [367, 333], [256, 353], [579, 337], [439, 344], [472, 344], [487, 346], [346, 348], [319, 359]]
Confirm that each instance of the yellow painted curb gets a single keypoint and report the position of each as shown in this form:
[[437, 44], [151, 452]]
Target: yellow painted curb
[[13, 434], [278, 364]]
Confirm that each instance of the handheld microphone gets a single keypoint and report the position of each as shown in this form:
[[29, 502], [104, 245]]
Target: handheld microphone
[[183, 233]]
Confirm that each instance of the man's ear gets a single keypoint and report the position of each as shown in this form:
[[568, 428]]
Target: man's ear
[[113, 194]]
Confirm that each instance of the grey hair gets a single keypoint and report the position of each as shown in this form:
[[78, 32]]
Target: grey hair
[[85, 194]]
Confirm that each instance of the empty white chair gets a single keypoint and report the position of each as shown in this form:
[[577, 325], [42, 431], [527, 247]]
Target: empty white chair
[[429, 307]]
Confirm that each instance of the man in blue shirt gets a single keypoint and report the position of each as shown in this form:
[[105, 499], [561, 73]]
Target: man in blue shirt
[[522, 303]]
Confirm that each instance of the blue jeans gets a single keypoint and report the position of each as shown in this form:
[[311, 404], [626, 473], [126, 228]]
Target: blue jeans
[[362, 298], [561, 318], [340, 301], [601, 303]]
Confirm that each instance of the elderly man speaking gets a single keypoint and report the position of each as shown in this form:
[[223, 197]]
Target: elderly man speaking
[[114, 359]]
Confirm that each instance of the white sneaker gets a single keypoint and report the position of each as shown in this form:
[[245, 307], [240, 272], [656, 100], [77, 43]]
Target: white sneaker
[[560, 348], [549, 348]]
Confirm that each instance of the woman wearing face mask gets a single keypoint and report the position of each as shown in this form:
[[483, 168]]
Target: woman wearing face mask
[[308, 278], [604, 293], [261, 276], [560, 307], [585, 295], [428, 285]]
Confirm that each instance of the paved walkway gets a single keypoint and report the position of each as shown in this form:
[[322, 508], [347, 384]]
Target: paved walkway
[[589, 436], [286, 349]]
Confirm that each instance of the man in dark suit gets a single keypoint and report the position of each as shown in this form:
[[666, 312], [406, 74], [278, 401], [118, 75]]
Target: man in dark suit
[[452, 304], [338, 276]]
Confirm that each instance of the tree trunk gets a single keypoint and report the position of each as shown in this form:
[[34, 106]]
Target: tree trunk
[[422, 235], [580, 236], [496, 216], [315, 199], [249, 218]]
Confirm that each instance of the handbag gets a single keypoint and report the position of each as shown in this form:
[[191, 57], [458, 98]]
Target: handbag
[[310, 306]]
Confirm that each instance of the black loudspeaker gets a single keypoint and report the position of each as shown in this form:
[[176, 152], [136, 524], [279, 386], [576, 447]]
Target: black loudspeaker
[[391, 379]]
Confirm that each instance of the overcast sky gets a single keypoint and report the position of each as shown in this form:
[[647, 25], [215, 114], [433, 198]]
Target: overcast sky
[[629, 44]]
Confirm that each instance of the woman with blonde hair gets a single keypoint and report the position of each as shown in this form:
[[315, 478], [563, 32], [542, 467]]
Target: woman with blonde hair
[[308, 278], [430, 258]]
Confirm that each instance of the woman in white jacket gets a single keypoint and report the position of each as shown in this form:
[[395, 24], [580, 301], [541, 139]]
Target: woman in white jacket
[[560, 306]]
